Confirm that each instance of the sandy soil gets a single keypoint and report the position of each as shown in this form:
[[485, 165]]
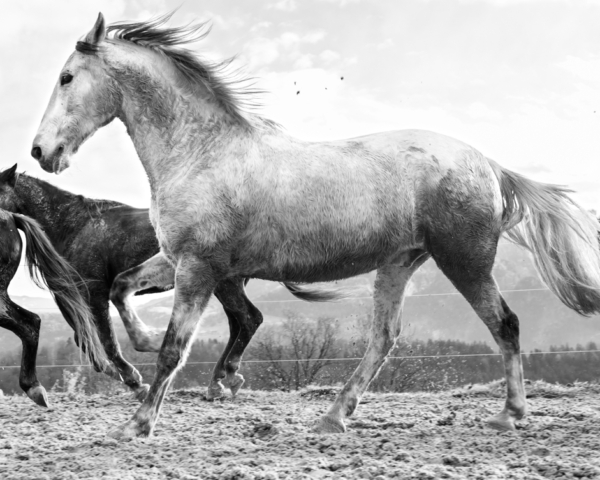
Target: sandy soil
[[266, 435]]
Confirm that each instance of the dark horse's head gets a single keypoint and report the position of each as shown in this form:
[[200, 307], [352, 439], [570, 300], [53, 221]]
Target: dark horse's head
[[9, 199]]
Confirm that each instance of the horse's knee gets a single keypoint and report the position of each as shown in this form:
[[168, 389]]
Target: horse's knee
[[119, 290], [509, 328], [255, 319], [36, 322], [256, 322], [382, 341], [169, 360]]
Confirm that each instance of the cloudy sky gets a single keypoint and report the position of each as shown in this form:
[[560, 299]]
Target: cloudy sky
[[517, 79]]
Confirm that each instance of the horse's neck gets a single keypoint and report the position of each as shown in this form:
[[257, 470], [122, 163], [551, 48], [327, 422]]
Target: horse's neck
[[170, 128], [58, 212], [188, 142]]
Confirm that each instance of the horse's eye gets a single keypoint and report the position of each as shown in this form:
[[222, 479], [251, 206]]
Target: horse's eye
[[65, 78]]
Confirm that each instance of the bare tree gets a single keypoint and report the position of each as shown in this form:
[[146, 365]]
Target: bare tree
[[297, 351]]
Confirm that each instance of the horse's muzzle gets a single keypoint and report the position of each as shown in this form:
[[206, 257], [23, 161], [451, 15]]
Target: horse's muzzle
[[49, 161]]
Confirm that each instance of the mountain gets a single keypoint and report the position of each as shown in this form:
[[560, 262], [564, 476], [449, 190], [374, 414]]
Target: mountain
[[433, 308]]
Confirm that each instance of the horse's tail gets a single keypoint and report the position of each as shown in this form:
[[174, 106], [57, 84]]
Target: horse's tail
[[313, 295], [57, 275], [561, 235]]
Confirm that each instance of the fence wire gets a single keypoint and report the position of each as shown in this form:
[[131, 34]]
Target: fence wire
[[368, 297], [342, 359]]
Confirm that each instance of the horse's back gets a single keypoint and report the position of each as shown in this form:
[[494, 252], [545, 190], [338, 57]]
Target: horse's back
[[439, 172], [360, 202], [117, 239]]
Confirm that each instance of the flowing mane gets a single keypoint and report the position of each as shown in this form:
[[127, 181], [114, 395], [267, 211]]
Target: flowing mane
[[235, 95]]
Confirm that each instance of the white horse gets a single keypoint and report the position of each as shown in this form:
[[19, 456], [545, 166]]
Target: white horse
[[234, 196]]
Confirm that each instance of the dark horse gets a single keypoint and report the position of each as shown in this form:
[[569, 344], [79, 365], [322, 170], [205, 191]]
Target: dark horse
[[102, 240], [58, 276]]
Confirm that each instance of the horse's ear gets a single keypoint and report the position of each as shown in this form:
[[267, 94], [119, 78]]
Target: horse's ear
[[97, 33], [9, 176]]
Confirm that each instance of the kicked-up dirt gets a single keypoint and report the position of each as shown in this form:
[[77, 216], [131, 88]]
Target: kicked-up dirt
[[266, 435]]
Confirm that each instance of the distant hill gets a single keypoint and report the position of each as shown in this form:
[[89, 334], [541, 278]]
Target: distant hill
[[434, 309]]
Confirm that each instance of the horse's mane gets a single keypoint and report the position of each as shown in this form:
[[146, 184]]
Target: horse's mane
[[233, 92], [93, 207]]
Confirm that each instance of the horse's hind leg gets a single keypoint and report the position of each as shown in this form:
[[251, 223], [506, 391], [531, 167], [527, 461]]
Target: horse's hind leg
[[244, 319], [467, 257], [154, 272], [26, 325], [483, 295], [388, 298]]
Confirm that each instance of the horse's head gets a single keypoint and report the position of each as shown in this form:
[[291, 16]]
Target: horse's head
[[9, 200], [84, 99]]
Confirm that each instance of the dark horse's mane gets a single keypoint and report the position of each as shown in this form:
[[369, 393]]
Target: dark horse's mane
[[91, 206], [233, 94]]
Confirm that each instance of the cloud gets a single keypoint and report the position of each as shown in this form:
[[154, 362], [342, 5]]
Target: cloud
[[329, 56], [72, 19], [284, 5], [260, 26], [508, 3], [385, 44], [480, 111], [588, 70], [341, 3], [305, 61], [262, 51]]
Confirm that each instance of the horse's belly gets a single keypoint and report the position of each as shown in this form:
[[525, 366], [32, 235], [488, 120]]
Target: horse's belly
[[323, 254]]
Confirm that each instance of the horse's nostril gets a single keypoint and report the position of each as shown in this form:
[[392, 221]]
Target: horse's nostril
[[60, 150], [36, 152]]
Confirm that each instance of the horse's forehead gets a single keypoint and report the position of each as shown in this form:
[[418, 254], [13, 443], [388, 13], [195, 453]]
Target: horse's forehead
[[76, 61]]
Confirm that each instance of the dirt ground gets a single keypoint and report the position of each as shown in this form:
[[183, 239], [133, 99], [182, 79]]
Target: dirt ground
[[266, 435]]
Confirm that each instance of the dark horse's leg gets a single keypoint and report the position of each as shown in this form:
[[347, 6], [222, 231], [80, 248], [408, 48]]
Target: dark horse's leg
[[125, 372], [26, 325], [244, 319], [154, 272]]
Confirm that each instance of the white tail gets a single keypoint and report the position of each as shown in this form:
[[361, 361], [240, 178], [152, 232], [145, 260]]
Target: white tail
[[561, 235]]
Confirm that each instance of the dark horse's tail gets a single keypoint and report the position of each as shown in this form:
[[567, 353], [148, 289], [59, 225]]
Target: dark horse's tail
[[560, 234], [57, 275], [313, 295], [310, 294]]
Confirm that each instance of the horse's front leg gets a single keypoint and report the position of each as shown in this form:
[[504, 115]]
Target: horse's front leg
[[156, 272], [244, 319], [26, 325], [194, 284]]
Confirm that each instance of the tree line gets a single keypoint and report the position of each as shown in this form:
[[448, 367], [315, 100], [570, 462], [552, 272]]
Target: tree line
[[301, 352]]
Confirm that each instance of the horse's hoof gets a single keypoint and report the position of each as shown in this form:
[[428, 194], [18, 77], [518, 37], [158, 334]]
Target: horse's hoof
[[329, 425], [235, 383], [39, 396], [128, 431], [140, 392], [502, 422], [215, 391]]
